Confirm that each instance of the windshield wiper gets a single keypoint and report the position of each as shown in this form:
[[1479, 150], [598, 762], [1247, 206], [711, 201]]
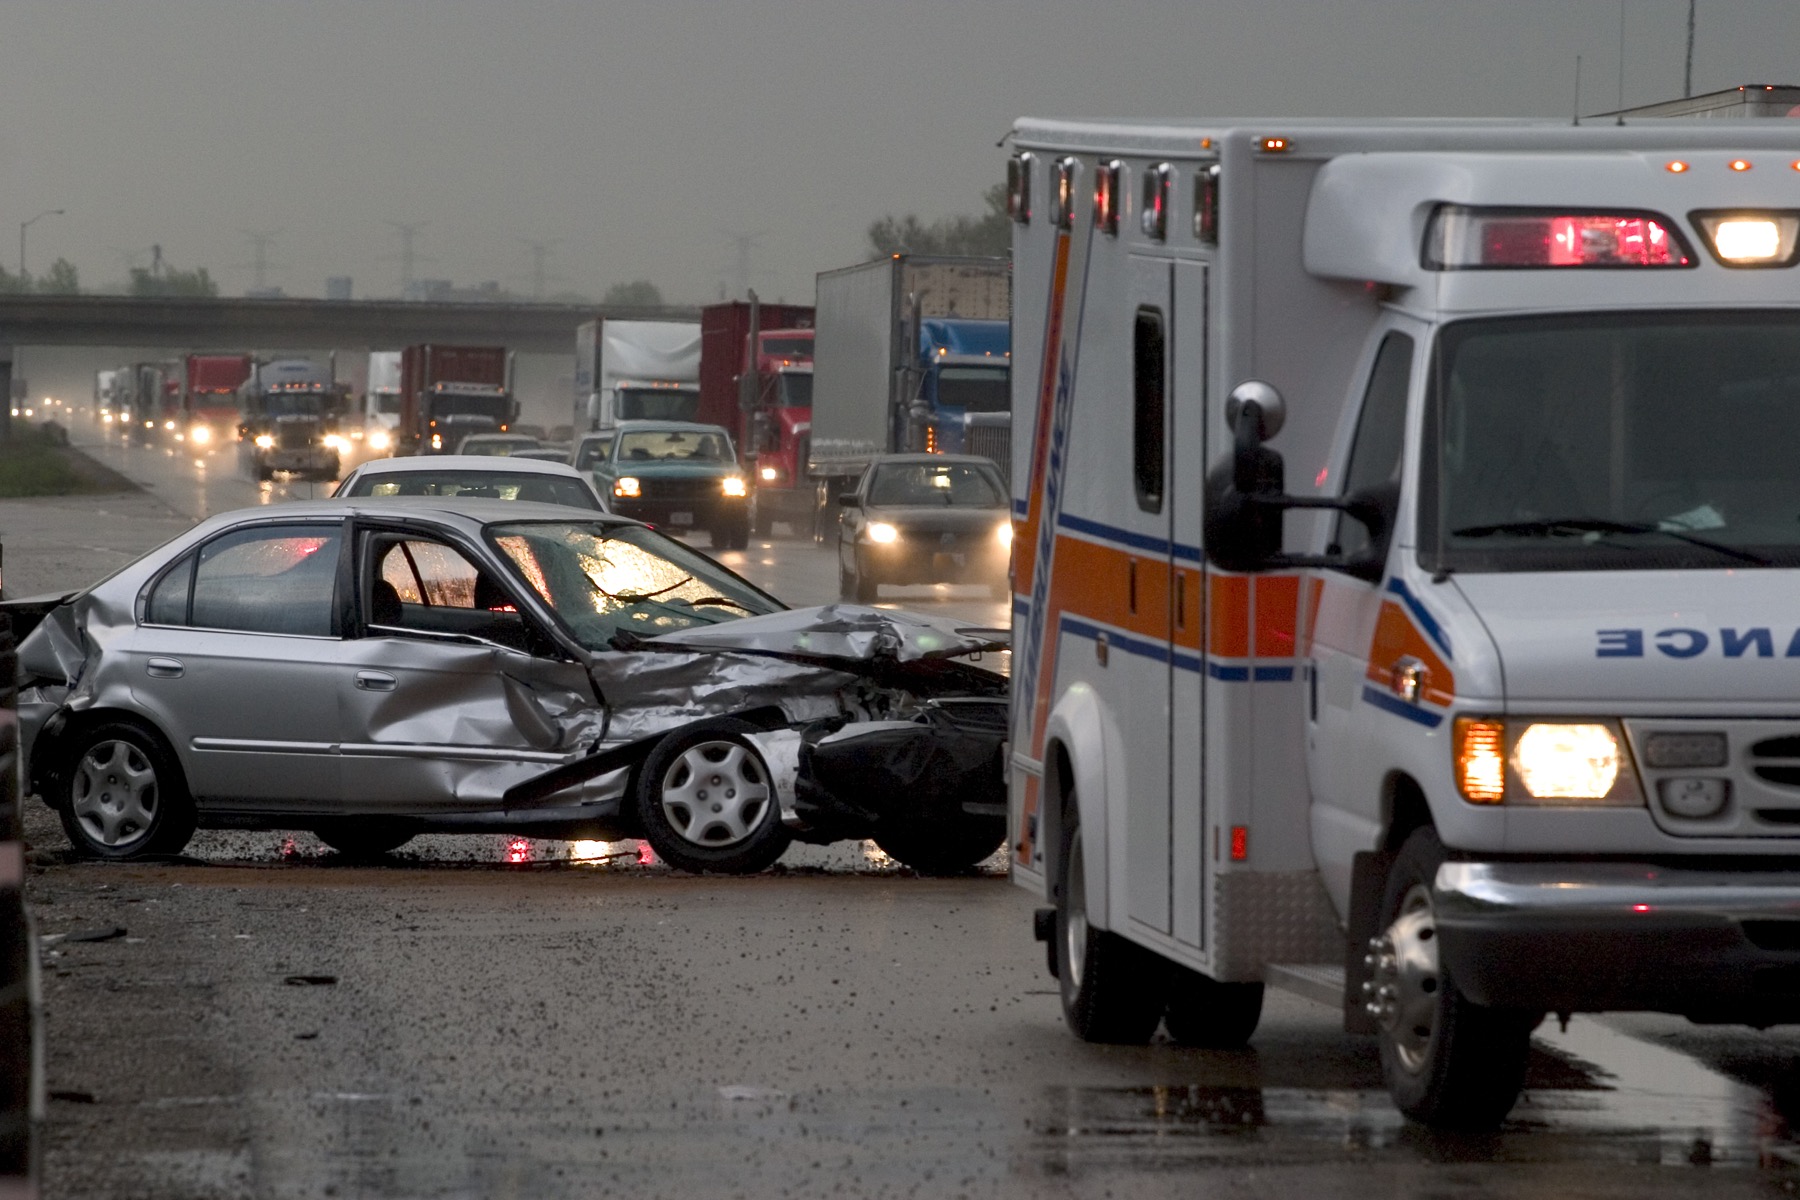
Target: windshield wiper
[[1552, 526], [720, 600]]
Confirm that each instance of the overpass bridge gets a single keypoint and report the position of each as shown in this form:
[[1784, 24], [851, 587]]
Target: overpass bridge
[[221, 323]]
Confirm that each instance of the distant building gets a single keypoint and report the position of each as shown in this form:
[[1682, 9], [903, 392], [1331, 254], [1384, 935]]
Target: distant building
[[337, 287], [1750, 100], [264, 293], [442, 291]]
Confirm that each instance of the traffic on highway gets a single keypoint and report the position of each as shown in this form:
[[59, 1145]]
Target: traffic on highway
[[1279, 679]]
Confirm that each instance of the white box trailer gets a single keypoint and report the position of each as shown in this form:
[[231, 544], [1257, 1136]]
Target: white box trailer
[[630, 370], [1517, 733]]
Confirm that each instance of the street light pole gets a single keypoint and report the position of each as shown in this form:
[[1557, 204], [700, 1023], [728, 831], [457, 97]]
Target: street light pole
[[24, 225]]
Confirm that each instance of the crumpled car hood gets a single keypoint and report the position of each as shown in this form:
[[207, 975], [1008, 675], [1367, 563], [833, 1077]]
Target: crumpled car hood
[[842, 634]]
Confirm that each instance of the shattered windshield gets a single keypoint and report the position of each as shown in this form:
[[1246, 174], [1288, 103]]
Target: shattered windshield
[[1608, 441], [603, 580]]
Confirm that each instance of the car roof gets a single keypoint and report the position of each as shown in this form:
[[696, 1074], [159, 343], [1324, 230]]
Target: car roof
[[486, 464], [501, 437], [468, 515], [958, 460], [641, 426]]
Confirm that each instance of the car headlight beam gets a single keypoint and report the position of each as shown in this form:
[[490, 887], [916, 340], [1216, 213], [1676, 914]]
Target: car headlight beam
[[882, 533]]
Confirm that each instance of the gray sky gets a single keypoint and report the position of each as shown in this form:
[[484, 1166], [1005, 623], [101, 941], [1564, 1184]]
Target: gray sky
[[643, 135]]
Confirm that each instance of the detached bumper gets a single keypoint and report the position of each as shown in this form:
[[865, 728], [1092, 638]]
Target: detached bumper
[[1716, 946]]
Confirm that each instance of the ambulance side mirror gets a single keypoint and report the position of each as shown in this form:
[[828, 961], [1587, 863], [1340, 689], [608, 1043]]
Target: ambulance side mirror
[[1243, 529]]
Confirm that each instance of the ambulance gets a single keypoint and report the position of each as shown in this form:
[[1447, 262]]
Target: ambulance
[[1407, 579]]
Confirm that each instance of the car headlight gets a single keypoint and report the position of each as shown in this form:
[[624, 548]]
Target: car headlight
[[200, 435], [166, 424], [1544, 762], [882, 532], [379, 440], [733, 485], [627, 486], [265, 441], [1003, 533]]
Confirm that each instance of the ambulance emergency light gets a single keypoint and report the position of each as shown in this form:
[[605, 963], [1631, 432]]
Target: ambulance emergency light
[[1462, 238], [1751, 239]]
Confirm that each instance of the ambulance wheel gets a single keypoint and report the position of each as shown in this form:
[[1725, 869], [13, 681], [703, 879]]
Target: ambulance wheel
[[1449, 1063], [943, 848], [707, 801], [1204, 1012], [1112, 990]]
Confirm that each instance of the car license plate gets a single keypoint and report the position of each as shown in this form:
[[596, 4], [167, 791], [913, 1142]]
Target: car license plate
[[681, 518]]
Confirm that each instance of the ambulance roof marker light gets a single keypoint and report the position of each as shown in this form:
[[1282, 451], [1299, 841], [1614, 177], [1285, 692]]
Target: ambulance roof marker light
[[1676, 167], [1273, 145], [1740, 164]]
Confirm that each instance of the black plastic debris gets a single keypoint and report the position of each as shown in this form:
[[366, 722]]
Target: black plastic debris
[[311, 980], [105, 933]]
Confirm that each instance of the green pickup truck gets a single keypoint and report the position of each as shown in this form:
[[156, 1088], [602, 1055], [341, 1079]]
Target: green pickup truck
[[678, 476]]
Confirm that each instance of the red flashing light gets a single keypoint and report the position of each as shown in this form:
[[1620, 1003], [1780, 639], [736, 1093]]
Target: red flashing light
[[1640, 908], [1475, 238], [1240, 843]]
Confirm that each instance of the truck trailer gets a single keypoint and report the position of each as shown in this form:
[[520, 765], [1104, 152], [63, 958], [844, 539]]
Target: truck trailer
[[912, 353], [448, 393], [381, 403], [1404, 555], [636, 370]]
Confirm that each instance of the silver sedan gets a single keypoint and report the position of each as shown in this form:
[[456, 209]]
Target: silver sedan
[[371, 670]]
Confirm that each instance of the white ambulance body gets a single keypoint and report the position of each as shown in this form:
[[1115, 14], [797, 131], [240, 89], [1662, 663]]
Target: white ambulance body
[[1542, 755]]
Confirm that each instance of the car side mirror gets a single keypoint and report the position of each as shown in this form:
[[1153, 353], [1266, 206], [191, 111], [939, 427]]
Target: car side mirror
[[849, 500]]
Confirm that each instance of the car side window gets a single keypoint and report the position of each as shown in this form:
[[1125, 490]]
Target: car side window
[[268, 579], [1380, 434], [429, 587], [168, 602], [429, 574]]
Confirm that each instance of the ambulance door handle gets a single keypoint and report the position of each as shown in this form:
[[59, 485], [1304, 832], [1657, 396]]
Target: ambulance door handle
[[1101, 648]]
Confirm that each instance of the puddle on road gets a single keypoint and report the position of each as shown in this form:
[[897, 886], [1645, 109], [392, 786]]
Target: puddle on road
[[1631, 1103]]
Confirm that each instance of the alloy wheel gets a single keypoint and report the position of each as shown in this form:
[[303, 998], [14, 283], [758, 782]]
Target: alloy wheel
[[716, 794], [114, 794]]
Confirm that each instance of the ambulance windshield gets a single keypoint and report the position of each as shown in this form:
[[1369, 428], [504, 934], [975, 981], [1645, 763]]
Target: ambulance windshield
[[1614, 441]]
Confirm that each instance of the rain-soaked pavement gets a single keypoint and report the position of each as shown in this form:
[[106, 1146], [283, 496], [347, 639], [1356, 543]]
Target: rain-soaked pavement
[[484, 1016]]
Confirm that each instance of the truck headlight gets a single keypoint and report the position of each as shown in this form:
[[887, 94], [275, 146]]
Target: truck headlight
[[771, 474], [883, 533], [627, 487], [200, 435], [733, 485], [1543, 762], [378, 439], [334, 442], [265, 441], [437, 440]]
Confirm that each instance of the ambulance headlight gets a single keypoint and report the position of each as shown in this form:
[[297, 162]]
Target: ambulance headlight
[[1500, 761], [1567, 762], [1003, 533], [1752, 239]]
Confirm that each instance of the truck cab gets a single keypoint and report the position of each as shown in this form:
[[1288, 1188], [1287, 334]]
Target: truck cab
[[781, 428], [289, 414], [1404, 517], [964, 398]]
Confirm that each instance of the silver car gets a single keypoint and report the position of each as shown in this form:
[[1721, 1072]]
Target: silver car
[[371, 670]]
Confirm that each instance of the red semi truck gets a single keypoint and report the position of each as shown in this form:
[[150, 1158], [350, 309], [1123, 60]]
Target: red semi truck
[[762, 393], [209, 407], [450, 392]]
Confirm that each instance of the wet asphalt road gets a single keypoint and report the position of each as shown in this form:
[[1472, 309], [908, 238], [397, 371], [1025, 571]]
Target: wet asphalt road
[[493, 1018]]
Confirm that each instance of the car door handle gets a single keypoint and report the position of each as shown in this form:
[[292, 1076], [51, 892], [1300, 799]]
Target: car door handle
[[375, 681], [164, 668]]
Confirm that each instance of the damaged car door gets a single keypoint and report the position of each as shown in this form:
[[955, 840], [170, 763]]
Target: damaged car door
[[455, 692]]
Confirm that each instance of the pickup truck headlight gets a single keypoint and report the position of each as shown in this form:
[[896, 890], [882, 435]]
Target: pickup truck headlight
[[627, 487], [733, 485], [1544, 762]]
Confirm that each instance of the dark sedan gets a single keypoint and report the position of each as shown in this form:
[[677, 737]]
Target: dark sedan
[[925, 518]]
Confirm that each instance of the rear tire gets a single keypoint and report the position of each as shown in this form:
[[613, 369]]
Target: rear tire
[[1205, 1013], [121, 795], [943, 848], [1112, 990], [1449, 1063]]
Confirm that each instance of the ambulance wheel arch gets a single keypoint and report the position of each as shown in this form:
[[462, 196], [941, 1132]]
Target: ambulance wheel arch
[[1077, 741]]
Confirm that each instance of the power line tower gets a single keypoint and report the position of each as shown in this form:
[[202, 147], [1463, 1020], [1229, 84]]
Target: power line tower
[[541, 275], [259, 264], [409, 258]]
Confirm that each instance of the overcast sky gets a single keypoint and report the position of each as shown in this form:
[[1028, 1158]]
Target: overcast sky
[[641, 137]]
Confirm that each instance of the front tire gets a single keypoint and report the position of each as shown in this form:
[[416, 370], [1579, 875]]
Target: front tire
[[1449, 1063], [707, 801], [1112, 990], [949, 848], [121, 794]]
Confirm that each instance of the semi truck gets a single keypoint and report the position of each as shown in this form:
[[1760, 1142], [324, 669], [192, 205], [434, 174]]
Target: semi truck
[[1404, 551], [290, 414], [209, 403], [912, 353], [756, 381], [636, 370], [448, 393], [381, 402]]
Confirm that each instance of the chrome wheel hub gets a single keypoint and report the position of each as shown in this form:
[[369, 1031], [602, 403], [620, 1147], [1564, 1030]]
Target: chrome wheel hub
[[716, 794], [113, 794], [1402, 992]]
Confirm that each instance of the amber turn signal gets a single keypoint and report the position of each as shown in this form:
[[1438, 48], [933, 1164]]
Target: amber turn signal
[[1481, 760]]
